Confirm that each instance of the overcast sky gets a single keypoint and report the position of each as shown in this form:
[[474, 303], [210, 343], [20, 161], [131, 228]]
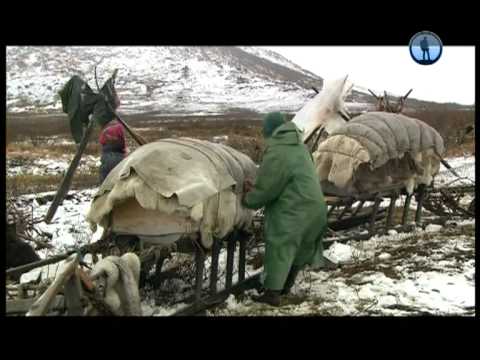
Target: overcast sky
[[450, 79]]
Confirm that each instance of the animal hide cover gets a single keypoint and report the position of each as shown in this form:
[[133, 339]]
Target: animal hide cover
[[195, 180], [374, 138]]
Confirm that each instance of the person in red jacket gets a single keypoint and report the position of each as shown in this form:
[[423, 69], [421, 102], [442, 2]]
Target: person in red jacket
[[114, 147]]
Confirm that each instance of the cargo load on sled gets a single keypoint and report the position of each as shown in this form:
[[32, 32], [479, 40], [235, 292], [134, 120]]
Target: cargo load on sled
[[376, 150], [371, 152], [172, 187]]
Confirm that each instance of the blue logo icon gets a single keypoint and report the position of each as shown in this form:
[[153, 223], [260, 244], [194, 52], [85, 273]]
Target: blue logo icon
[[425, 48]]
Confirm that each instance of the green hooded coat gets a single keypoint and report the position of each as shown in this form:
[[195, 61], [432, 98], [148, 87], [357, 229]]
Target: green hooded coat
[[295, 210]]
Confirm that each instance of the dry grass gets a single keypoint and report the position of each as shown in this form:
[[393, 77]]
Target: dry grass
[[31, 137], [451, 124], [468, 147], [28, 184], [28, 141], [29, 150], [244, 133]]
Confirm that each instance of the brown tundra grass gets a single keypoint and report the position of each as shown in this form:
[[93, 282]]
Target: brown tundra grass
[[27, 136]]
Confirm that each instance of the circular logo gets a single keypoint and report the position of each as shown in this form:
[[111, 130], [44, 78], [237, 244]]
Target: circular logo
[[425, 48]]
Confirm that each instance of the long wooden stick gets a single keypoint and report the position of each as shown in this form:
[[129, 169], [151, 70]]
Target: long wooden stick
[[406, 95], [374, 95], [137, 137], [67, 180], [40, 307], [27, 267], [449, 167], [73, 295], [88, 248], [219, 297]]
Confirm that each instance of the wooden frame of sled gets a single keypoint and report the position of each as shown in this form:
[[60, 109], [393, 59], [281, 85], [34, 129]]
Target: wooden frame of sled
[[68, 293], [343, 215], [71, 289], [206, 296]]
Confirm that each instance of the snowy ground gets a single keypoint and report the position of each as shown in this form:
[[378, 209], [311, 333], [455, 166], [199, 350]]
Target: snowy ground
[[429, 271], [463, 165], [425, 272], [49, 166]]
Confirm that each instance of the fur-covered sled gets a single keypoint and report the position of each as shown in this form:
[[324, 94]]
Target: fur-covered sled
[[373, 151], [173, 187]]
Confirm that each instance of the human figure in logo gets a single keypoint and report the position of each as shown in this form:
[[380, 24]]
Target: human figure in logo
[[425, 48]]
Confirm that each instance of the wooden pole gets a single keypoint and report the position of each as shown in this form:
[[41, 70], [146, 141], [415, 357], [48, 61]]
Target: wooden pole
[[67, 180], [373, 94], [41, 306], [358, 208], [92, 248], [406, 209], [216, 247], [199, 267], [391, 210], [376, 205], [27, 267], [242, 252], [73, 296], [230, 257], [421, 196], [137, 137]]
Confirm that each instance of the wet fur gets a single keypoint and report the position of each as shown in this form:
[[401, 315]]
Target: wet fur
[[122, 276]]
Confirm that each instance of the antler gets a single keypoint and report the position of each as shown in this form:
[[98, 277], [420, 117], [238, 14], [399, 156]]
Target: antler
[[401, 103], [387, 103], [406, 95], [375, 96]]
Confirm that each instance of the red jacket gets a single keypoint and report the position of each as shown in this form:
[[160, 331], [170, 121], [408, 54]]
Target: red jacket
[[114, 133]]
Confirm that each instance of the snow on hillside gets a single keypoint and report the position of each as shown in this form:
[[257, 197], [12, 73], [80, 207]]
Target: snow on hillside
[[166, 79], [275, 58]]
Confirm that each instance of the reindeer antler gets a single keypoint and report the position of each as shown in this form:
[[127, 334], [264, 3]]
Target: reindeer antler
[[406, 95], [387, 103], [374, 95]]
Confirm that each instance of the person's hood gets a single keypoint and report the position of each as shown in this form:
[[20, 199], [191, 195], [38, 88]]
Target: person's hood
[[286, 134]]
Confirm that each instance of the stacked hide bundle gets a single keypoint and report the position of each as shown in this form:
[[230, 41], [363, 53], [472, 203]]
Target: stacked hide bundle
[[378, 149], [173, 187]]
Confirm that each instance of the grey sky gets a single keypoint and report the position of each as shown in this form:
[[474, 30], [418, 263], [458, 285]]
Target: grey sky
[[450, 79]]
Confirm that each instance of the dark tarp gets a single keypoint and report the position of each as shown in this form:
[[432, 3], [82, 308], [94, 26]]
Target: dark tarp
[[79, 101]]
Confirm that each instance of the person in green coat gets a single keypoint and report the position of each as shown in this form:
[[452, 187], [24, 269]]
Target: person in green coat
[[295, 211]]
